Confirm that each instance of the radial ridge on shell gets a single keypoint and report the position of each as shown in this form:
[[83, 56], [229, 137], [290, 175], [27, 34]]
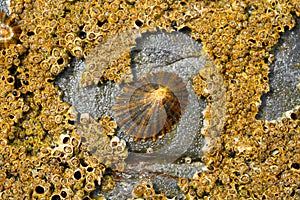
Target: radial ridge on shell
[[151, 106]]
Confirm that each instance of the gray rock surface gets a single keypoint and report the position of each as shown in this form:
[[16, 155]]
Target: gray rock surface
[[284, 75], [95, 100], [3, 6]]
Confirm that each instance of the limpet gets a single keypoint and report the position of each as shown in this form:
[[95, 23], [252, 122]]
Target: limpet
[[9, 30], [150, 106]]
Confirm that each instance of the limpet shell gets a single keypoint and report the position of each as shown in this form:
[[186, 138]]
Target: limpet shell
[[9, 30], [151, 106]]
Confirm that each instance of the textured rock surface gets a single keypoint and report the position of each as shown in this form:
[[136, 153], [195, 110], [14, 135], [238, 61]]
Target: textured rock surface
[[284, 73], [96, 100], [3, 6]]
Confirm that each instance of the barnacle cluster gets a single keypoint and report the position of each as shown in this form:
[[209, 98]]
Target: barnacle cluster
[[110, 151], [145, 190], [42, 155], [35, 169], [209, 83], [245, 160], [110, 60]]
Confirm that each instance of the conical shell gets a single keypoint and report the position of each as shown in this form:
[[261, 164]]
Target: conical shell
[[9, 30], [150, 106]]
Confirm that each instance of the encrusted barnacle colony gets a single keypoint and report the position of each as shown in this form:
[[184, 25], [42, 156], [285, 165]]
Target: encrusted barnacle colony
[[149, 107], [9, 30], [110, 59], [110, 151]]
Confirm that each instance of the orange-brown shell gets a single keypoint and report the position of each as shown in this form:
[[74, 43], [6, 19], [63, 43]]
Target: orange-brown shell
[[150, 106], [9, 30]]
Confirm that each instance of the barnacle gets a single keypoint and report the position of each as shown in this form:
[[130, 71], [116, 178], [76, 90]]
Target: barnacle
[[109, 151], [149, 107], [145, 190], [107, 56], [9, 30]]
